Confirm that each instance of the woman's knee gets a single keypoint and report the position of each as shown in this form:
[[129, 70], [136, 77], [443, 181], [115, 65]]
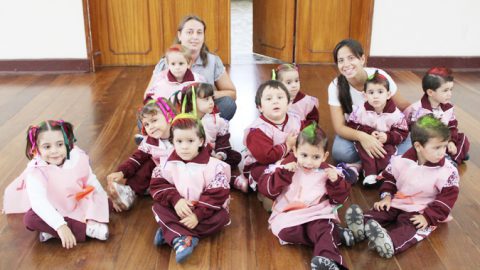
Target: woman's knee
[[227, 107], [344, 151]]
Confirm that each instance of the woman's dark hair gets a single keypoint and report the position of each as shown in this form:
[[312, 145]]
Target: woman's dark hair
[[272, 84], [204, 50], [342, 84], [435, 77], [53, 125], [427, 127]]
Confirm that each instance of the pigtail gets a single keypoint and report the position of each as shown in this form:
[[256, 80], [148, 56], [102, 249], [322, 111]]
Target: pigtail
[[68, 136], [31, 149], [344, 95]]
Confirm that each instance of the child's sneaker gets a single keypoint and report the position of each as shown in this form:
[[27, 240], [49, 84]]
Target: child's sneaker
[[183, 247], [158, 240], [350, 172], [97, 230], [346, 236], [138, 138], [370, 180], [44, 237], [320, 262], [126, 195], [379, 239], [354, 219], [241, 183]]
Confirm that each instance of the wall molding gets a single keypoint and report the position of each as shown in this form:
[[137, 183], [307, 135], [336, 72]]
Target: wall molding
[[45, 65], [423, 62]]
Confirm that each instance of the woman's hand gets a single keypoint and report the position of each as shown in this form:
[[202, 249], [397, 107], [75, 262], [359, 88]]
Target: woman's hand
[[67, 237], [372, 146]]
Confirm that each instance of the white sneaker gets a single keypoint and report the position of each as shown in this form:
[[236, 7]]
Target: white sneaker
[[370, 180], [97, 230], [43, 236], [126, 195]]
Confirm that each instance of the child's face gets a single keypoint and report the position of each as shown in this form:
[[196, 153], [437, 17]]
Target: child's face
[[348, 64], [310, 156], [177, 64], [443, 94], [291, 80], [51, 147], [186, 143], [377, 96], [205, 105], [433, 150], [156, 126], [274, 104]]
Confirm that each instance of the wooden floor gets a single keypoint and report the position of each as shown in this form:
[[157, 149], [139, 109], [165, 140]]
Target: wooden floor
[[102, 107]]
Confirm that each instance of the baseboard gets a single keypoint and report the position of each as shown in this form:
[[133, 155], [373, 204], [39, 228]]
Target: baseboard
[[423, 62], [45, 65]]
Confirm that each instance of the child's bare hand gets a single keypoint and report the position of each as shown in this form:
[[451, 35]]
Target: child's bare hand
[[331, 173], [117, 207], [67, 237], [219, 156], [383, 204], [451, 148], [116, 177], [190, 221], [291, 140], [182, 208], [382, 137], [292, 166], [419, 221]]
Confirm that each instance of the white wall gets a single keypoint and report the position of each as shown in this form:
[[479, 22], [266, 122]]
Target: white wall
[[38, 29], [426, 28]]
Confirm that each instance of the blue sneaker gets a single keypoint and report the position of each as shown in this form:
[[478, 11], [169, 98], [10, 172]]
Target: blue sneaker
[[158, 240], [183, 247]]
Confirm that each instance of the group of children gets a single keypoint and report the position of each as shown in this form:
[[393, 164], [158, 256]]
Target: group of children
[[184, 163]]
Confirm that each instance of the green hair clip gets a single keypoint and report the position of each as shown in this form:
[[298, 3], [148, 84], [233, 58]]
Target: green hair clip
[[310, 131], [429, 121], [274, 75]]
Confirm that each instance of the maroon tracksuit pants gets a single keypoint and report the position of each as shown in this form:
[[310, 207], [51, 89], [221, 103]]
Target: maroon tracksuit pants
[[322, 234], [34, 223], [374, 165], [400, 229], [171, 227]]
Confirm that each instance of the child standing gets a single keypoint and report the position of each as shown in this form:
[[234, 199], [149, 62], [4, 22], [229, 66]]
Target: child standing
[[199, 100], [418, 192], [58, 191], [191, 192], [379, 117], [305, 106], [269, 138], [177, 76], [133, 175], [437, 85], [306, 191]]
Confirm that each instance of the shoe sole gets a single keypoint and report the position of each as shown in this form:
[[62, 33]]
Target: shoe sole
[[322, 263], [379, 237], [347, 237], [118, 199], [354, 219]]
